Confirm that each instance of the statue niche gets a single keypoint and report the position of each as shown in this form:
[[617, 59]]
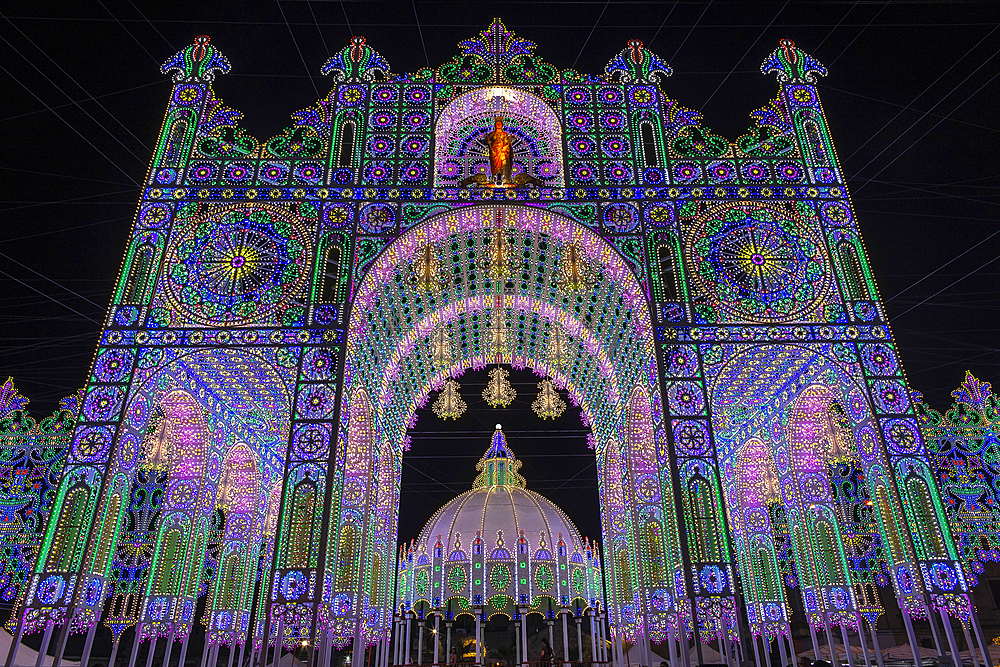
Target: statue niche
[[498, 138]]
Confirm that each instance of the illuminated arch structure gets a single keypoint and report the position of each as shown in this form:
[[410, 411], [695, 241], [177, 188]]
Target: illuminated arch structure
[[269, 339], [520, 556]]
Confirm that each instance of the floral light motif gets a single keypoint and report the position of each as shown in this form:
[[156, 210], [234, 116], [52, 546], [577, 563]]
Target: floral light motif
[[449, 404], [499, 393], [548, 405]]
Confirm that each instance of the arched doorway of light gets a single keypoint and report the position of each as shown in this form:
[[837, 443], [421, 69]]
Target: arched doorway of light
[[534, 272]]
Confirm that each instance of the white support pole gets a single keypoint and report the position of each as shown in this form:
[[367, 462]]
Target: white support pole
[[565, 637], [205, 649], [167, 651], [875, 647], [815, 641], [420, 641], [847, 646], [406, 646], [593, 639], [478, 644], [983, 650], [448, 647], [950, 634], [579, 639], [44, 648], [437, 638], [135, 648], [149, 655], [864, 642], [279, 641], [781, 650], [524, 638], [972, 648], [913, 639], [756, 649]]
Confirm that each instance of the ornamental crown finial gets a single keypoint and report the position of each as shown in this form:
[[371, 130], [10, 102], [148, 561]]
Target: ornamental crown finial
[[792, 64], [198, 63]]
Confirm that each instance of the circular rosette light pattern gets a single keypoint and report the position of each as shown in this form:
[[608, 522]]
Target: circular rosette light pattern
[[237, 266], [761, 264]]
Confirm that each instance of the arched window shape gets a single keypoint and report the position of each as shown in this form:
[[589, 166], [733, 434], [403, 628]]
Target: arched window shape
[[345, 152], [173, 146], [301, 540], [890, 528], [347, 554], [666, 262], [652, 549], [331, 275], [649, 158], [623, 574], [106, 540], [761, 563], [229, 591], [842, 446], [828, 562], [193, 571], [705, 535], [857, 286], [807, 576], [928, 529], [377, 580], [171, 564], [139, 273], [814, 138], [69, 533]]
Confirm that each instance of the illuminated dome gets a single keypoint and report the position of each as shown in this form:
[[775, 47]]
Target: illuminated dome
[[500, 509], [468, 553]]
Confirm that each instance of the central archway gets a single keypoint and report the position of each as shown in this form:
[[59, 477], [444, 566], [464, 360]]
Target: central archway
[[501, 284]]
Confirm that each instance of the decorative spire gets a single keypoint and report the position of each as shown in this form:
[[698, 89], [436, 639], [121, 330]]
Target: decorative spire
[[197, 63], [11, 399], [499, 466], [792, 65], [637, 64], [357, 62]]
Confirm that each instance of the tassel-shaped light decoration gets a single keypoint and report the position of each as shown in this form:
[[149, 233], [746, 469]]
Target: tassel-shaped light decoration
[[548, 405], [498, 334], [427, 271], [559, 351], [440, 348], [449, 404], [498, 392], [575, 273]]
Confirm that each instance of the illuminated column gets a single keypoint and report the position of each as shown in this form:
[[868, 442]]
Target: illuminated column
[[593, 638], [565, 638], [437, 638], [579, 639], [407, 648]]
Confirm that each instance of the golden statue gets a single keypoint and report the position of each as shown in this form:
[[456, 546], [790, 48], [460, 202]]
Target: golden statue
[[501, 153]]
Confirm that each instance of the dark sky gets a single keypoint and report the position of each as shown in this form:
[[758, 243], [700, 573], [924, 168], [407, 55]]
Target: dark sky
[[911, 101]]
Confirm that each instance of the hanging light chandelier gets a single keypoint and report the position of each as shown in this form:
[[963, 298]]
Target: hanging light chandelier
[[427, 270], [548, 405], [559, 351], [440, 348], [498, 392], [575, 273], [449, 404]]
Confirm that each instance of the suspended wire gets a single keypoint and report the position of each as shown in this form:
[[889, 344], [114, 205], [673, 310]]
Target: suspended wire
[[347, 20], [155, 29], [326, 49], [158, 82], [690, 31], [816, 48], [591, 34], [665, 18], [152, 57], [860, 32], [76, 200], [68, 124], [69, 176], [747, 53], [420, 32], [80, 107], [296, 43], [50, 298], [985, 264], [919, 95], [47, 279], [85, 92], [933, 127]]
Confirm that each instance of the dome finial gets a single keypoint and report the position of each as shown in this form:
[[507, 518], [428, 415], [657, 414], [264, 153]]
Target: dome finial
[[499, 466]]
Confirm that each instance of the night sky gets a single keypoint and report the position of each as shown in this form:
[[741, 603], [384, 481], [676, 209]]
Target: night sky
[[911, 102]]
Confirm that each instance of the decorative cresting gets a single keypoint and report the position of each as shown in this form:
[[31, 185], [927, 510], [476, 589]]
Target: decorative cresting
[[637, 64], [496, 55], [499, 550], [357, 62], [460, 136], [197, 63]]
